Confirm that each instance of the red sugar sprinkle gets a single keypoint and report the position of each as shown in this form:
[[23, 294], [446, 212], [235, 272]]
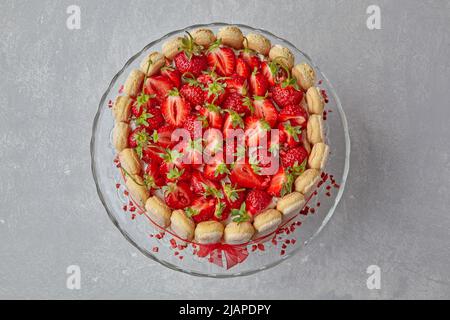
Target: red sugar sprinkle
[[318, 204], [284, 246], [126, 193], [133, 216], [293, 241], [287, 241], [155, 249], [282, 252], [261, 246], [121, 89], [177, 253], [312, 210], [132, 209], [173, 243], [328, 194], [117, 185], [181, 257], [254, 247], [328, 187], [124, 208]]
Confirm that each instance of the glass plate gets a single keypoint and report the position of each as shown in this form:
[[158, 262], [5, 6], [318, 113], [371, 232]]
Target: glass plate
[[218, 260]]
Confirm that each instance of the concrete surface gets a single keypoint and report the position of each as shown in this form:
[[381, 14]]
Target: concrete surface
[[393, 84]]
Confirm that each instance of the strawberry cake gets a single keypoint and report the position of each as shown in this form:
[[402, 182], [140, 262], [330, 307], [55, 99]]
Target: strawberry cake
[[220, 137]]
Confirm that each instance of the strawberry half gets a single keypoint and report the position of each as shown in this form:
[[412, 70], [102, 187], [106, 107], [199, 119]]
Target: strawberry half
[[281, 183], [217, 169], [172, 74], [242, 68], [294, 114], [286, 93], [265, 109], [163, 136], [201, 209], [177, 195], [237, 84], [289, 135], [243, 176], [257, 201], [199, 182], [258, 83], [250, 58], [158, 86], [175, 108], [221, 59], [212, 114], [233, 121], [256, 131]]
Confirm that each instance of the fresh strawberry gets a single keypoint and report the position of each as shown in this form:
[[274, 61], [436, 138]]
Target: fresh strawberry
[[257, 201], [139, 136], [281, 183], [233, 121], [295, 114], [221, 59], [213, 142], [242, 68], [233, 196], [195, 125], [199, 182], [206, 78], [163, 136], [235, 102], [142, 103], [273, 73], [152, 177], [293, 158], [216, 169], [193, 93], [172, 74], [192, 152], [150, 118], [212, 113], [250, 58], [221, 211], [264, 109], [159, 86], [243, 176], [258, 83], [215, 92], [289, 135], [175, 108], [172, 173], [190, 59], [256, 131], [286, 93], [177, 195], [237, 84], [201, 209], [152, 153]]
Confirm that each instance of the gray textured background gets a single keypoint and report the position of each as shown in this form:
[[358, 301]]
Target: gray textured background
[[393, 84]]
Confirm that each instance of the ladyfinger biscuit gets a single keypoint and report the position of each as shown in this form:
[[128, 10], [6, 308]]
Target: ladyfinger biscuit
[[314, 129], [318, 156], [203, 37], [238, 233], [305, 75], [208, 232], [158, 211], [307, 181], [152, 63], [136, 188], [283, 55], [267, 221], [122, 108], [257, 42], [315, 100], [182, 225], [133, 84], [129, 161], [172, 47], [291, 204], [231, 36], [121, 132]]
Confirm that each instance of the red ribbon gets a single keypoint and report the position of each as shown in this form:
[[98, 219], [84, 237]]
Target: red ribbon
[[234, 254]]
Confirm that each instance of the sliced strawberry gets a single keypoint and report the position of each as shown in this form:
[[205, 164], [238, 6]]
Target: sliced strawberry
[[139, 136], [295, 114], [201, 209], [273, 73], [281, 183], [172, 74], [199, 182], [265, 109], [177, 195], [233, 121], [212, 113], [221, 59], [216, 169], [258, 83], [159, 86], [191, 151], [150, 118], [172, 173], [243, 176], [206, 78], [142, 103], [233, 196], [237, 84], [242, 68], [175, 108], [152, 153], [289, 135], [195, 124], [152, 177], [215, 92], [257, 201], [250, 58], [256, 131], [163, 136], [293, 158], [213, 142]]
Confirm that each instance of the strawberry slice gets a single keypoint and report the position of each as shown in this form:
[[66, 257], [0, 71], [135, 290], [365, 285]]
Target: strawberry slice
[[212, 114], [175, 108], [237, 84], [152, 153], [216, 169], [221, 59], [295, 114], [152, 177], [281, 183], [242, 68], [250, 58], [265, 109], [177, 195], [201, 209], [172, 74], [243, 176], [273, 73], [233, 121], [258, 83], [215, 92], [256, 131], [233, 196], [159, 86], [257, 201], [163, 136], [199, 182], [289, 135]]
